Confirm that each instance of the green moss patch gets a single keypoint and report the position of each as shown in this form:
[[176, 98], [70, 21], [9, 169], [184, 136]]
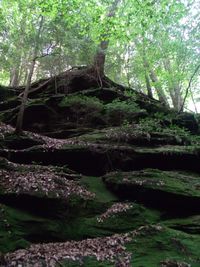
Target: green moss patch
[[169, 191], [152, 248], [179, 183], [97, 186], [189, 224]]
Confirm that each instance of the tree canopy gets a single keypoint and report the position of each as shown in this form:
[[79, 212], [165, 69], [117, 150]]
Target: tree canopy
[[150, 45]]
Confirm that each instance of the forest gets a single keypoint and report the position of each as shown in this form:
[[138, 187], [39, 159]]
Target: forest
[[99, 133]]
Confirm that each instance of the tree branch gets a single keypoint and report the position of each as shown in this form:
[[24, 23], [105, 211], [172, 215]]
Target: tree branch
[[188, 88], [45, 55]]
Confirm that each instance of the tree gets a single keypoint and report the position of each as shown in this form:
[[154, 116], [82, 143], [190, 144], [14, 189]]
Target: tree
[[100, 56], [149, 45], [30, 75]]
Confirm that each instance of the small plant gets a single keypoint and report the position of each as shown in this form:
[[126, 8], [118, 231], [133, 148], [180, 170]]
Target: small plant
[[130, 93], [81, 101], [176, 130], [157, 125], [150, 125], [128, 106], [119, 111], [164, 117]]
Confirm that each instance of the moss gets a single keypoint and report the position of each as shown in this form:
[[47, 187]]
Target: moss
[[189, 224], [97, 186], [12, 230], [19, 227], [149, 249], [96, 136], [171, 150], [134, 135], [76, 219], [87, 226], [80, 101], [13, 141], [131, 219], [152, 247], [20, 221], [46, 220], [177, 182]]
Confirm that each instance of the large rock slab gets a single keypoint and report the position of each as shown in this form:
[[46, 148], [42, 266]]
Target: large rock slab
[[169, 190]]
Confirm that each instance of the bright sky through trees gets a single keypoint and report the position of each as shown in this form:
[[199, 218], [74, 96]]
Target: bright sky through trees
[[151, 46]]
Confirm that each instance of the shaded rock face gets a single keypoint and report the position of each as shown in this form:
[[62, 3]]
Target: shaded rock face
[[188, 121], [6, 93], [98, 178], [164, 190]]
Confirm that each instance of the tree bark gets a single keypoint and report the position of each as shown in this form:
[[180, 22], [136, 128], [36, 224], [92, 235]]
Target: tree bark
[[14, 77], [159, 90], [161, 95], [148, 85], [100, 56], [20, 115], [146, 67], [174, 87]]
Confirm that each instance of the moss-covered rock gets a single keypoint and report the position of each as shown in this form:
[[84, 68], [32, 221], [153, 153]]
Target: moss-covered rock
[[189, 224], [13, 141], [52, 190], [155, 248], [161, 189], [6, 93]]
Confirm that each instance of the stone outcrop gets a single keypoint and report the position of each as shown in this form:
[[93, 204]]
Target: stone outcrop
[[98, 178]]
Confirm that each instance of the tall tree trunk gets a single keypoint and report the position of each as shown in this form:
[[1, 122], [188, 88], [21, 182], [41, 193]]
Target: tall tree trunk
[[174, 87], [14, 77], [161, 95], [146, 68], [100, 56], [20, 115], [21, 71], [25, 76], [152, 75], [178, 101], [148, 85]]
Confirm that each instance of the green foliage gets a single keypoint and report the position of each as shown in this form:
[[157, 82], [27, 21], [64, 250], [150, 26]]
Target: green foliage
[[152, 248], [164, 34], [81, 101], [128, 106], [97, 186], [150, 125], [84, 110], [177, 183], [120, 112], [162, 124]]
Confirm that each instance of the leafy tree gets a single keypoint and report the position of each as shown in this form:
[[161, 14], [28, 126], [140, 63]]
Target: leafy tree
[[150, 45]]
